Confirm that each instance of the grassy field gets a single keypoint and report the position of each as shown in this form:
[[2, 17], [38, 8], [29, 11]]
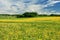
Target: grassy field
[[39, 28]]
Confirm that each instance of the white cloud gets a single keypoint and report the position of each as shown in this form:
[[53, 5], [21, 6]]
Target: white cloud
[[5, 5], [20, 6], [13, 6], [34, 8], [51, 2]]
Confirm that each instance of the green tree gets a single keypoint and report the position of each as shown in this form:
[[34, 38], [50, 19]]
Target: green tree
[[30, 14]]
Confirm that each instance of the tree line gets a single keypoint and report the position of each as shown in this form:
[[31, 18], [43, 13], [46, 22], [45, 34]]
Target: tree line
[[35, 14], [29, 14]]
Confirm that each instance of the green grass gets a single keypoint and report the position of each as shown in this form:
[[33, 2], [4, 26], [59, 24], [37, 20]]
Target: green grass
[[42, 30]]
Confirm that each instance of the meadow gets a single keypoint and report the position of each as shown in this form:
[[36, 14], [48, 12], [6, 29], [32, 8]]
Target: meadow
[[37, 28]]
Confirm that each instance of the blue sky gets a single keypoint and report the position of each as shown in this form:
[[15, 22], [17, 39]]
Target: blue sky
[[21, 6]]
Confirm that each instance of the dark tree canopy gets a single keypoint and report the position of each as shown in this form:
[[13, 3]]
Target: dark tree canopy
[[30, 14]]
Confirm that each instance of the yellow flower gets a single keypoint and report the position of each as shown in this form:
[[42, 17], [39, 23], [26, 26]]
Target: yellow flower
[[39, 39]]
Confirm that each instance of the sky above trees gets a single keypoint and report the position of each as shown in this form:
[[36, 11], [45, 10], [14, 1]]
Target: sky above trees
[[21, 6]]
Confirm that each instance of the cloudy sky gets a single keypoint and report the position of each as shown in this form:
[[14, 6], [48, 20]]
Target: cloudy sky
[[21, 6]]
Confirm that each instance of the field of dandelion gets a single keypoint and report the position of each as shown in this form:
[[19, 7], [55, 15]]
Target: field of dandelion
[[46, 28]]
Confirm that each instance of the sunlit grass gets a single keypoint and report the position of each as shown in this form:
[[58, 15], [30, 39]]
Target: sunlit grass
[[37, 19], [46, 28]]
